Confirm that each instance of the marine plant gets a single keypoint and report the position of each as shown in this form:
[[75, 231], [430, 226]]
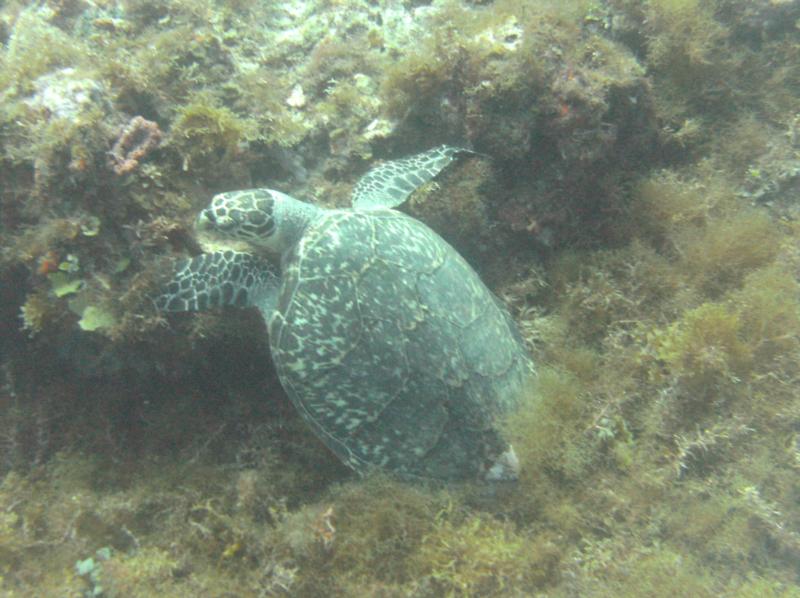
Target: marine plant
[[638, 214], [204, 132]]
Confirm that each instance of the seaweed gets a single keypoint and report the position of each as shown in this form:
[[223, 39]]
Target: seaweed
[[637, 214], [465, 556], [204, 133]]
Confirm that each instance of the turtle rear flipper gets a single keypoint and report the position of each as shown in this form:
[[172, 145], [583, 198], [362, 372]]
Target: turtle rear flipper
[[389, 184], [221, 278]]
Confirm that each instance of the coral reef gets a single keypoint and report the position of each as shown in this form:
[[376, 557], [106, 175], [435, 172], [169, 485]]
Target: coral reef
[[633, 199]]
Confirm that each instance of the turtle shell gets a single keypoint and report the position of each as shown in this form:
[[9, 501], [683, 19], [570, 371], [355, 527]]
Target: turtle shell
[[392, 348]]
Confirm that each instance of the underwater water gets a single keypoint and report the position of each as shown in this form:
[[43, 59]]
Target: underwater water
[[631, 197]]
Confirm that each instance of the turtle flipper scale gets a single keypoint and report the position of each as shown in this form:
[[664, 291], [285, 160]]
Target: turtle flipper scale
[[389, 184], [221, 278]]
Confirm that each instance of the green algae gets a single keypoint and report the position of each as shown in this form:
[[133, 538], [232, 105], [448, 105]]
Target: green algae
[[203, 132], [94, 318], [638, 213]]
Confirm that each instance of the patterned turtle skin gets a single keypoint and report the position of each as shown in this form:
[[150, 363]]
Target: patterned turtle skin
[[385, 339]]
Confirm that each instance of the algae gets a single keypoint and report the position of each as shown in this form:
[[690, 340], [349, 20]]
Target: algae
[[635, 205]]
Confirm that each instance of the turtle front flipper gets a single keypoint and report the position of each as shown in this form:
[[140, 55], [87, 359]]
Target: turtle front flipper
[[389, 184], [222, 278]]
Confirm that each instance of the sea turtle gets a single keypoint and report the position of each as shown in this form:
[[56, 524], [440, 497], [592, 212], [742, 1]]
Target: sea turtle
[[384, 338]]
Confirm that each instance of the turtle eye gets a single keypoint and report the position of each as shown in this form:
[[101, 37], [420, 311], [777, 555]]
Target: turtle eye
[[236, 216], [222, 220], [206, 220]]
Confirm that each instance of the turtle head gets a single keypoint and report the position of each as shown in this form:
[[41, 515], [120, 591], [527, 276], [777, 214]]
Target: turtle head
[[258, 217]]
